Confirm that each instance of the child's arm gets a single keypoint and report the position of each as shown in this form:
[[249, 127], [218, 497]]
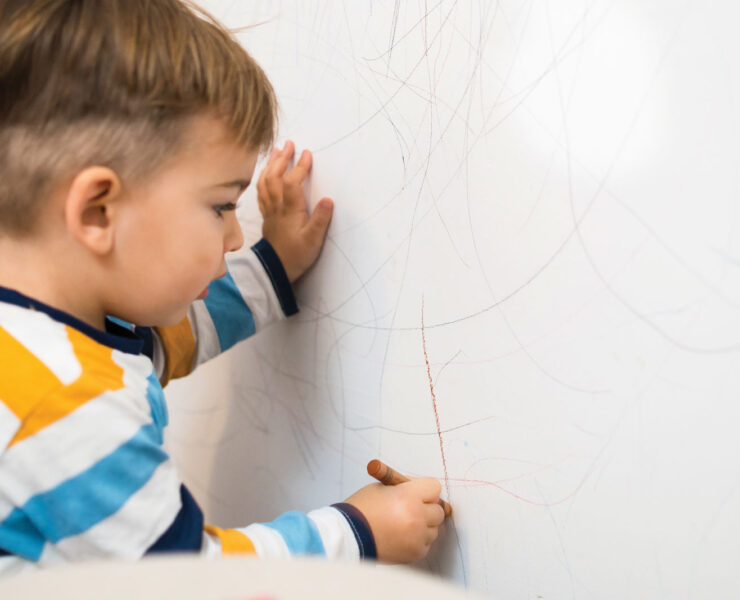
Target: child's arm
[[257, 289], [393, 524], [85, 475]]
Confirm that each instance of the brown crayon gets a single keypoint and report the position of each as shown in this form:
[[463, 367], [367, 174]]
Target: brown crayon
[[387, 476]]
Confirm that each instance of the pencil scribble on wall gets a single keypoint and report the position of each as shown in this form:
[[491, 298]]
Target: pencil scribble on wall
[[559, 182]]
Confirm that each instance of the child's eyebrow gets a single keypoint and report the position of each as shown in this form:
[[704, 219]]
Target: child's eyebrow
[[242, 184]]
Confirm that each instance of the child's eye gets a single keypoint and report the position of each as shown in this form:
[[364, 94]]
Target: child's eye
[[222, 208]]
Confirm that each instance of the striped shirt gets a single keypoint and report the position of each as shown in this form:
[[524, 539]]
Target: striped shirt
[[83, 472]]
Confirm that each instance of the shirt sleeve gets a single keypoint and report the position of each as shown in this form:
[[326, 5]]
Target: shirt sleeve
[[85, 475], [339, 531], [254, 293], [336, 532]]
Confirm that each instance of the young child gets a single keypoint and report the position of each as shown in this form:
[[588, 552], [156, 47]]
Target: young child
[[128, 129]]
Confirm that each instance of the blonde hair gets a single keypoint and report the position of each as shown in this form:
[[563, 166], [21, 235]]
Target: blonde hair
[[111, 83]]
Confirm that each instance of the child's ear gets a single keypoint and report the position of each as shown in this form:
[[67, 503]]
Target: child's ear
[[90, 207]]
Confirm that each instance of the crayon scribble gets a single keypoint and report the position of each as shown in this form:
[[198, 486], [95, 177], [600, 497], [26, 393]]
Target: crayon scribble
[[434, 402]]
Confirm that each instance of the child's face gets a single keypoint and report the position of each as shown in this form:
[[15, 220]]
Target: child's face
[[173, 231]]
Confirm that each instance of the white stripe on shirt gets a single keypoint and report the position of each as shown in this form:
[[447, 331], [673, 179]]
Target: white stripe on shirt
[[336, 533], [68, 447], [266, 541], [45, 338], [132, 530]]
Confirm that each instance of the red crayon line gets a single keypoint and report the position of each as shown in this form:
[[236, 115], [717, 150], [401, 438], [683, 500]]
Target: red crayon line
[[501, 488], [434, 401]]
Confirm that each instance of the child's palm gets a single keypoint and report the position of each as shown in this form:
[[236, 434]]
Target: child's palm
[[296, 237]]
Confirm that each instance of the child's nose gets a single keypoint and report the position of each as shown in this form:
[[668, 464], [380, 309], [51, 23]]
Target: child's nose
[[233, 238]]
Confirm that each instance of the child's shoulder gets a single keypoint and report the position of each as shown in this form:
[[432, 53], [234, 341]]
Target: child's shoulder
[[49, 369]]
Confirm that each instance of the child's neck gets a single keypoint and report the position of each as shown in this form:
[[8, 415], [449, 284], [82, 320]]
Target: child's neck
[[58, 281]]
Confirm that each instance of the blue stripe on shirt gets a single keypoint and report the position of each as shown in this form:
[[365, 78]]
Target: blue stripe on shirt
[[18, 535], [299, 532], [83, 501], [155, 396], [230, 314]]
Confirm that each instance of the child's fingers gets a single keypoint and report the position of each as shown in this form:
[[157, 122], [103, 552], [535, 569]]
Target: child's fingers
[[432, 534], [294, 180], [263, 198], [277, 166], [428, 488], [274, 190], [274, 171], [319, 221], [435, 514], [298, 174], [270, 164], [261, 204]]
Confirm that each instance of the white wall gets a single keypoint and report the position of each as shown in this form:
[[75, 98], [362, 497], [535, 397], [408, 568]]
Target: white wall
[[558, 183]]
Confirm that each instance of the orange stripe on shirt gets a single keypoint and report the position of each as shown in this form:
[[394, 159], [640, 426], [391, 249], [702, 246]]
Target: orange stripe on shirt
[[99, 374], [179, 349], [232, 541], [25, 378]]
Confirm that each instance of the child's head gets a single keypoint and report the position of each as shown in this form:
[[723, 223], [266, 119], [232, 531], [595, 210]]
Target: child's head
[[102, 99]]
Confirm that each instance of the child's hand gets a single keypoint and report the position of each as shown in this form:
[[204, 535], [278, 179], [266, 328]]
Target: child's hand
[[296, 237], [404, 518]]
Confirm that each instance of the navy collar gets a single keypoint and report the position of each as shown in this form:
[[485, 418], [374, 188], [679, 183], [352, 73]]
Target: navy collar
[[115, 336]]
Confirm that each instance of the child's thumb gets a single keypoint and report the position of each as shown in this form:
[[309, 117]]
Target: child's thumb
[[319, 220]]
